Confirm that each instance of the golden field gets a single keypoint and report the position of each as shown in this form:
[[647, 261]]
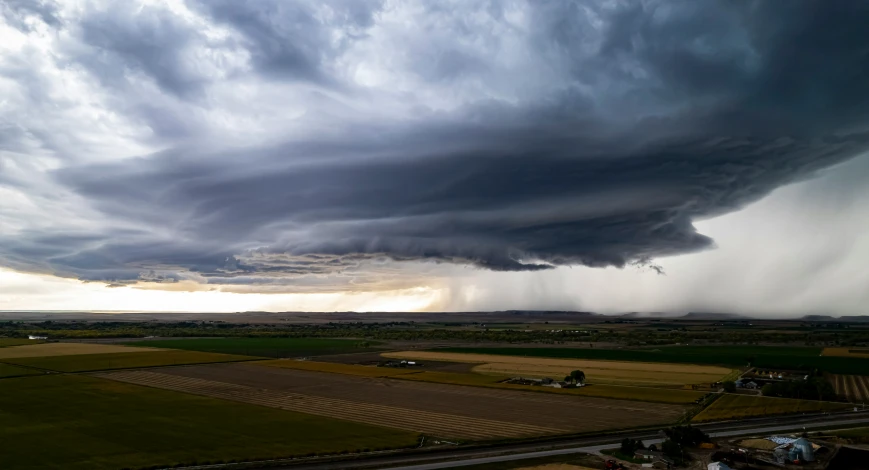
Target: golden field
[[596, 371], [846, 352], [65, 349]]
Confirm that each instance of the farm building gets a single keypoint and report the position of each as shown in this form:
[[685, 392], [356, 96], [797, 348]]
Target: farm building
[[646, 454], [37, 337], [717, 466]]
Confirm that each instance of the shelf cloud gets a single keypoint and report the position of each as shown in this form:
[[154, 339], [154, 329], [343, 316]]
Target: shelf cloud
[[271, 146]]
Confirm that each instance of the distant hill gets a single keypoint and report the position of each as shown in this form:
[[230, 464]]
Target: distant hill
[[712, 316]]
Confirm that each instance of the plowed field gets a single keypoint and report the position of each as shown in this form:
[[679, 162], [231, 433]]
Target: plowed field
[[854, 388], [437, 409]]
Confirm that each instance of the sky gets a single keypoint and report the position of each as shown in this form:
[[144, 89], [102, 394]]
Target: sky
[[608, 156]]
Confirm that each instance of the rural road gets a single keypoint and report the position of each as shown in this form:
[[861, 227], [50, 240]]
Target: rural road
[[475, 456]]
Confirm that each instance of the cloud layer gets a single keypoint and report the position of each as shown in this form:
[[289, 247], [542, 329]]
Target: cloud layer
[[346, 145]]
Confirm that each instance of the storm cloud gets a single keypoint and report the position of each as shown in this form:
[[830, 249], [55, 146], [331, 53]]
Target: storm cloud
[[315, 146]]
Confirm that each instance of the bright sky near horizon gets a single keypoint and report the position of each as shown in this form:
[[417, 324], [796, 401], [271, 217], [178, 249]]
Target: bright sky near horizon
[[400, 156]]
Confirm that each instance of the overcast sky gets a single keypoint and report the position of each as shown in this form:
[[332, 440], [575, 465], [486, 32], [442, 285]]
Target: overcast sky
[[395, 155]]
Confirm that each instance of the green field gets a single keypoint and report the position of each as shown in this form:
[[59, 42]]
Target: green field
[[6, 342], [108, 361], [768, 357], [732, 406], [80, 422], [8, 370], [262, 347]]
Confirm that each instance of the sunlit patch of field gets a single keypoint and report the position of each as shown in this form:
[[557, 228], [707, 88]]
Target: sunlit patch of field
[[65, 349], [596, 371], [846, 352]]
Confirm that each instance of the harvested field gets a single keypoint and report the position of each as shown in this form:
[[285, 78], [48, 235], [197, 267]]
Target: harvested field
[[846, 352], [437, 424], [596, 371], [122, 360], [65, 349], [533, 413], [854, 388], [731, 406]]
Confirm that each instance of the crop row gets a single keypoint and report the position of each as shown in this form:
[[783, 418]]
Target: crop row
[[438, 424], [855, 388]]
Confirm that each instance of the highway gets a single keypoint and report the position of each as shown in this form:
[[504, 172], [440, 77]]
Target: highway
[[453, 458]]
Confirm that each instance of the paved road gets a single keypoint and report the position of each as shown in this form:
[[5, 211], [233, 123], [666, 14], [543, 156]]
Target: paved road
[[595, 449]]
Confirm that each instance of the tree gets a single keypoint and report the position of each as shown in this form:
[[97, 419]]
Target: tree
[[629, 446], [729, 386], [568, 378], [578, 376]]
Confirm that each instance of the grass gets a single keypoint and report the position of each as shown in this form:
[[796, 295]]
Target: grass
[[853, 433], [94, 362], [767, 357], [731, 406], [80, 422], [617, 453], [8, 370], [6, 342], [262, 347]]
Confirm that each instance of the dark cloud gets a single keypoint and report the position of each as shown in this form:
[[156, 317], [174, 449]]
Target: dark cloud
[[294, 40], [18, 12], [656, 116], [149, 40]]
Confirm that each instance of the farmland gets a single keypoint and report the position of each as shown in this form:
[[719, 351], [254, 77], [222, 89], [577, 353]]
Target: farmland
[[121, 360], [263, 347], [64, 421], [473, 413], [64, 349], [846, 352], [648, 394], [730, 406], [728, 356], [596, 371], [7, 342], [7, 370], [854, 388]]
